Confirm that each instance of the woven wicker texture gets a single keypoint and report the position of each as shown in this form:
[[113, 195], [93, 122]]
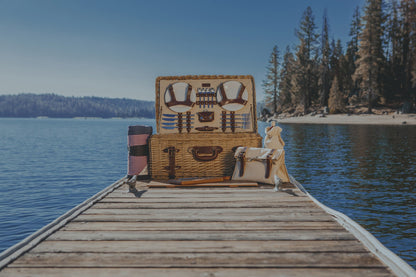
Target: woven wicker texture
[[186, 165]]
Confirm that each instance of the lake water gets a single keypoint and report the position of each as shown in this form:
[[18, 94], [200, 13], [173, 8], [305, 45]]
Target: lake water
[[48, 166]]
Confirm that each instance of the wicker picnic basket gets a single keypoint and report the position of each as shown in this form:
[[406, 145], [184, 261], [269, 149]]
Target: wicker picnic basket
[[200, 122], [193, 155]]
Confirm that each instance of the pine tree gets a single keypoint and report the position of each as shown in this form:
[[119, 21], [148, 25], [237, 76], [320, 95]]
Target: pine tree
[[371, 58], [336, 100], [306, 76], [351, 55], [395, 70], [271, 83], [286, 83], [324, 70], [335, 63], [408, 34]]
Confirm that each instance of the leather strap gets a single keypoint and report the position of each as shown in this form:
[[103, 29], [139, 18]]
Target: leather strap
[[206, 128], [173, 101], [242, 159], [238, 100], [223, 121], [171, 150], [180, 122], [232, 119], [188, 122]]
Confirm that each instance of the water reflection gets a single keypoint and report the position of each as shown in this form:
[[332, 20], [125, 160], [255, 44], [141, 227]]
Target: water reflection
[[366, 172]]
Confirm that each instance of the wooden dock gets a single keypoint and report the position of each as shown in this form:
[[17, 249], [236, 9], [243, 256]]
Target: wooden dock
[[195, 232]]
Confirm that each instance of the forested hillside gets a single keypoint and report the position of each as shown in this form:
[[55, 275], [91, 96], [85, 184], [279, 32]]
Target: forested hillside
[[376, 67], [52, 105]]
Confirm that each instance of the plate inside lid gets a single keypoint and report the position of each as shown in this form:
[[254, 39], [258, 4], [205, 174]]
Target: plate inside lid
[[232, 95], [180, 97]]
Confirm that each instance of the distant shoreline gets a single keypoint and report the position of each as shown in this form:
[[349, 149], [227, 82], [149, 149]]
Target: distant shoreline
[[363, 119], [29, 105], [76, 117], [335, 119]]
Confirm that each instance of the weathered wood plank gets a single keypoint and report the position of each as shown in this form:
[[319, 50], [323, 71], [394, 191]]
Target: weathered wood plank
[[195, 272], [183, 191], [204, 235], [225, 190], [196, 189], [204, 205], [166, 246], [168, 226], [206, 185], [253, 195], [237, 260], [203, 217], [241, 199], [207, 212]]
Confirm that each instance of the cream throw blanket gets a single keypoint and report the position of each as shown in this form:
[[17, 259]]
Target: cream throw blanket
[[273, 140]]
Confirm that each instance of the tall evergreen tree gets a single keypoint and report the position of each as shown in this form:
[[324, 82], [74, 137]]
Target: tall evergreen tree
[[324, 69], [286, 83], [336, 100], [307, 55], [371, 58], [355, 31], [351, 55], [271, 83], [395, 70], [335, 64], [408, 11]]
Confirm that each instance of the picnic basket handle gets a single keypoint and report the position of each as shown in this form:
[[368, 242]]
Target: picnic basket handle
[[205, 153]]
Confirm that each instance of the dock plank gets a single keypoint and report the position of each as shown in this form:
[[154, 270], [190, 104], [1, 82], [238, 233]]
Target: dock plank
[[194, 272], [221, 190], [249, 195], [171, 226], [198, 246], [206, 212], [239, 199], [203, 217], [204, 235], [195, 260], [203, 205]]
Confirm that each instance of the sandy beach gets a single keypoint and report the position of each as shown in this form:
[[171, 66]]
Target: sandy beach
[[364, 119]]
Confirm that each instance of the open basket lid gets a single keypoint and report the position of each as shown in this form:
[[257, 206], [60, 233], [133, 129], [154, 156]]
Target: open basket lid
[[205, 103]]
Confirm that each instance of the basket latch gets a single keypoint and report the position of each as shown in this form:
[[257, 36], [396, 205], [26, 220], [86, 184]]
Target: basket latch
[[171, 150]]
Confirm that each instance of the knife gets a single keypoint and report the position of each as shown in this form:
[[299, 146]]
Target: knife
[[172, 124]]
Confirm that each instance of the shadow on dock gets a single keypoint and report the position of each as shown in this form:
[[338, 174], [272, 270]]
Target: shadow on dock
[[137, 193]]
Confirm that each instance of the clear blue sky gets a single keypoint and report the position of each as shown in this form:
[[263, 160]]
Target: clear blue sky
[[113, 48]]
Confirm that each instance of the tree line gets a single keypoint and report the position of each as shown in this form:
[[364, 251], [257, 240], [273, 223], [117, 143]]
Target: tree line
[[377, 68], [52, 105]]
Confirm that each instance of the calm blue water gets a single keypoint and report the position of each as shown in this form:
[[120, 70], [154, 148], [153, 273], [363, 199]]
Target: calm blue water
[[48, 166]]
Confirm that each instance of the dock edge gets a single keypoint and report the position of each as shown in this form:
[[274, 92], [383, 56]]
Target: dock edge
[[15, 251], [396, 264]]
